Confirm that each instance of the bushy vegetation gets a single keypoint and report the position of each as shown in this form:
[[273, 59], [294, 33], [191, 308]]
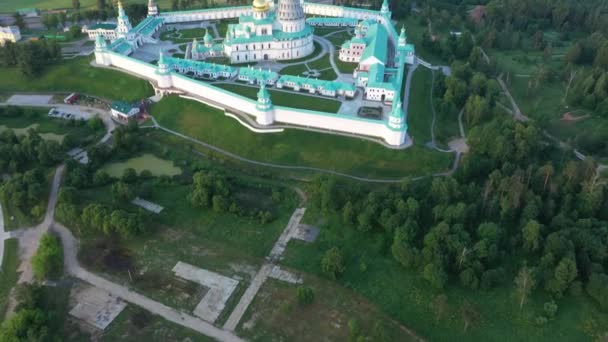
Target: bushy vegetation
[[37, 317], [30, 58], [507, 202], [47, 263]]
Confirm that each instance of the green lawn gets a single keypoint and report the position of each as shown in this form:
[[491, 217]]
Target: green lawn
[[295, 70], [322, 65], [150, 162], [296, 147], [282, 98], [8, 275], [345, 67], [12, 5], [76, 75], [406, 297]]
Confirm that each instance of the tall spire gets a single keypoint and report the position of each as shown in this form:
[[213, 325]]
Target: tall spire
[[384, 9], [152, 8], [121, 10], [402, 38]]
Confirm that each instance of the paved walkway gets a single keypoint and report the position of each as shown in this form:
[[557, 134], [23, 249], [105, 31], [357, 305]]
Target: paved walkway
[[4, 235], [264, 272], [70, 246]]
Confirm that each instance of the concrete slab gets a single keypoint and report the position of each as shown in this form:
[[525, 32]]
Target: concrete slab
[[149, 206], [30, 99], [306, 233], [284, 275], [220, 289], [96, 307]]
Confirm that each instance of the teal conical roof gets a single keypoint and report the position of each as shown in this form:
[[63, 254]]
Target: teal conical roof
[[208, 38], [263, 93]]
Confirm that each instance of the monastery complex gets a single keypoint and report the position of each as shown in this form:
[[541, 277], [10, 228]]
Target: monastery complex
[[266, 32]]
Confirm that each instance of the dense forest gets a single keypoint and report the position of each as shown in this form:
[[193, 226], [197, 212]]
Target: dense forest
[[512, 210]]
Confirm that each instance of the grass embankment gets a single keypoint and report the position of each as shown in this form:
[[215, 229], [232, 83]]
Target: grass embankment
[[296, 147], [282, 98], [8, 276], [77, 75], [406, 296]]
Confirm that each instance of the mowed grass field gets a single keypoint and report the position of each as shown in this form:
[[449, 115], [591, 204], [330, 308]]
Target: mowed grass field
[[77, 75], [12, 5], [297, 147]]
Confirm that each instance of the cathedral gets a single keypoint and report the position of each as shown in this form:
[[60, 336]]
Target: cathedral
[[270, 32]]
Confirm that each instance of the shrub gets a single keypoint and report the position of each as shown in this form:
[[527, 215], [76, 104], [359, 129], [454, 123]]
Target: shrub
[[306, 295], [48, 260], [333, 262]]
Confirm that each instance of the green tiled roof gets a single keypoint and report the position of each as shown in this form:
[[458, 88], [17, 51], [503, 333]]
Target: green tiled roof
[[331, 20], [122, 106], [250, 19], [258, 74], [121, 46], [317, 84], [103, 26], [196, 66], [147, 26], [377, 43]]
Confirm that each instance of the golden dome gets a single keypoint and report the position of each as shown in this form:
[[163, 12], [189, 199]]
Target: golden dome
[[260, 5]]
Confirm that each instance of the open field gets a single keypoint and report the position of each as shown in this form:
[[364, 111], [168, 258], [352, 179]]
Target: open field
[[281, 98], [135, 324], [276, 315], [8, 276], [12, 5], [76, 75], [296, 147], [155, 165], [406, 296], [229, 244]]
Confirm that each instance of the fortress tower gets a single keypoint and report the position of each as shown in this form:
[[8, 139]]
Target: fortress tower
[[264, 106]]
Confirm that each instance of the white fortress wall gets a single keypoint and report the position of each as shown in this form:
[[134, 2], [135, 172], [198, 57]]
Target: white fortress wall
[[299, 117], [131, 64], [334, 122], [213, 93], [206, 14]]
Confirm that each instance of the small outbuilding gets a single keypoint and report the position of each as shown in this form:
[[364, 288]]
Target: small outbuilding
[[123, 111]]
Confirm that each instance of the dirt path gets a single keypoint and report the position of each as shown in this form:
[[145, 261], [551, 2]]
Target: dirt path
[[29, 239], [517, 114], [264, 272]]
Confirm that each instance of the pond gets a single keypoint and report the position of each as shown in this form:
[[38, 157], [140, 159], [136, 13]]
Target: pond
[[157, 166], [46, 136]]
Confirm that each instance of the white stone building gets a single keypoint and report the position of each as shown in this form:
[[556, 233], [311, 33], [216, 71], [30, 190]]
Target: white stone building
[[9, 34]]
